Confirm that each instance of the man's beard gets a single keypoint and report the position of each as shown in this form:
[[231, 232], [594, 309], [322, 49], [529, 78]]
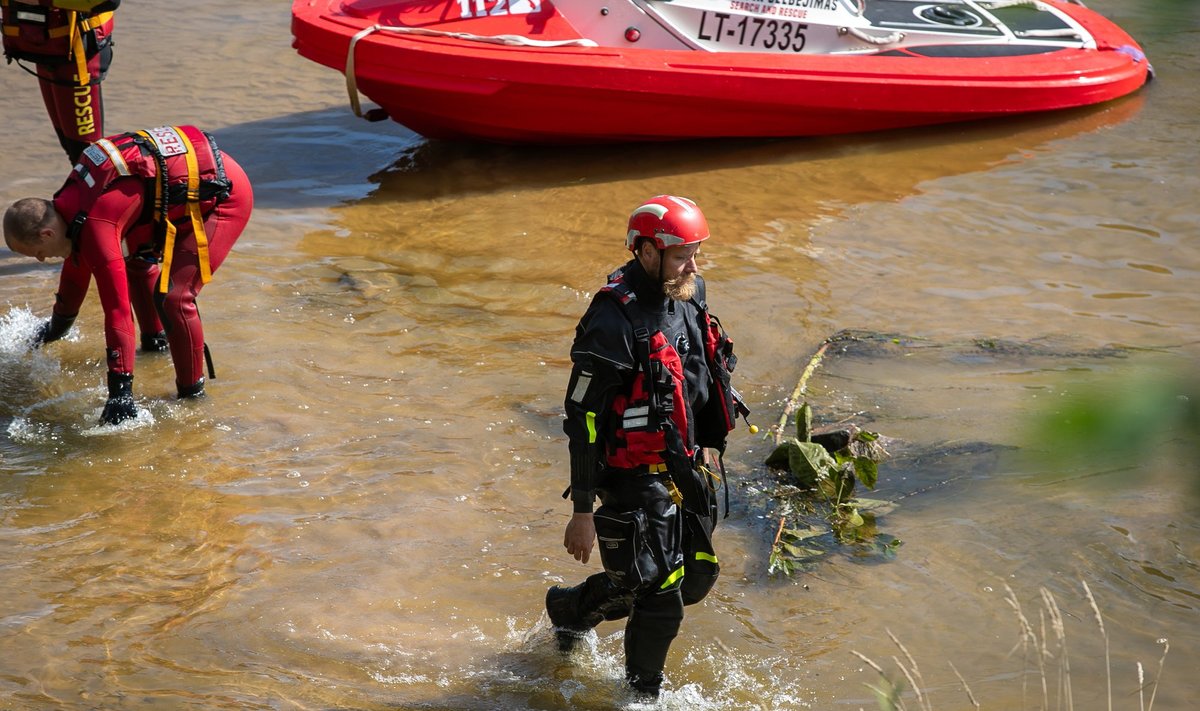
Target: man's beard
[[681, 288]]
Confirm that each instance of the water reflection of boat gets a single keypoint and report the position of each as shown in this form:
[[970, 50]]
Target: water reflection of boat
[[559, 71], [898, 161]]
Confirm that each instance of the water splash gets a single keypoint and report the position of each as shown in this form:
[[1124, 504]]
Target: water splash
[[144, 418], [592, 675], [17, 330], [26, 431], [19, 327]]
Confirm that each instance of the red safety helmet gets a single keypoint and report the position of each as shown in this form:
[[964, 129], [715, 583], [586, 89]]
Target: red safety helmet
[[667, 221]]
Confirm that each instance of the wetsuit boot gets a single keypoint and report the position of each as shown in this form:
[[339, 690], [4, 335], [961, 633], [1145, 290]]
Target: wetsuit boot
[[647, 686], [154, 342], [195, 390]]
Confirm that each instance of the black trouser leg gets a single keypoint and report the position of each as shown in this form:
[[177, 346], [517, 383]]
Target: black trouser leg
[[586, 605], [656, 614], [653, 625]]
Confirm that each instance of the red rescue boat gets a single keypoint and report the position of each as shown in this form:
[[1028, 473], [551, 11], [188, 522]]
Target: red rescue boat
[[586, 71]]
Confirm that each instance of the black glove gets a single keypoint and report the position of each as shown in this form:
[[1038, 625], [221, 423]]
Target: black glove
[[154, 342], [120, 399], [52, 329]]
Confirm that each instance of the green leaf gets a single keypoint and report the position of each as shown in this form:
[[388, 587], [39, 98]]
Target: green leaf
[[864, 436], [838, 484], [805, 460], [867, 471], [800, 552], [795, 534], [779, 458], [804, 423], [794, 551], [875, 506]]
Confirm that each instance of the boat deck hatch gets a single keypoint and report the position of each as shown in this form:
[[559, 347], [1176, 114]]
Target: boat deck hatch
[[959, 18], [954, 15], [908, 15]]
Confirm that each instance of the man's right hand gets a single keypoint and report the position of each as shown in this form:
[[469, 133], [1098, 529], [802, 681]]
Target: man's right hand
[[52, 329], [580, 536]]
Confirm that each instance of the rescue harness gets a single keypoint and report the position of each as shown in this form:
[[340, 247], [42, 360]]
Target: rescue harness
[[50, 34], [655, 419], [126, 155]]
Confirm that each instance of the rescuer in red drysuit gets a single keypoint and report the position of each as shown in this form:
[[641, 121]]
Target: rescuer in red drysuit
[[114, 194], [649, 390], [70, 44]]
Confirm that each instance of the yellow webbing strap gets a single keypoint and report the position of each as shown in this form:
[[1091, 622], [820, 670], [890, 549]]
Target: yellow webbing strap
[[168, 242], [82, 77], [87, 24], [76, 28], [676, 494], [193, 208], [95, 21]]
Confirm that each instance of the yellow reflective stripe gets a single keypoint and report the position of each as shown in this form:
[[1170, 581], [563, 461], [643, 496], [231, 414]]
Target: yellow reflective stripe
[[672, 578], [193, 206], [701, 555], [591, 425], [114, 154]]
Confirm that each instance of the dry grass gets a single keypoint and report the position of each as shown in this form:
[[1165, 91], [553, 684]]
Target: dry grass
[[1040, 647]]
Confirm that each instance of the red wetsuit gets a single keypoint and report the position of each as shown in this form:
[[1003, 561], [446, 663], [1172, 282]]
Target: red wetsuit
[[58, 42], [123, 211]]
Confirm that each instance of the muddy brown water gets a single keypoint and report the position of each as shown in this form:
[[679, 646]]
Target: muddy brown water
[[364, 513]]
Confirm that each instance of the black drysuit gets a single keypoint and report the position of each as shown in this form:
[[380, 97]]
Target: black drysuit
[[605, 355]]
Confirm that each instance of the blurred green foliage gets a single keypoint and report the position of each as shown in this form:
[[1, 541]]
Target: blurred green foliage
[[1140, 416]]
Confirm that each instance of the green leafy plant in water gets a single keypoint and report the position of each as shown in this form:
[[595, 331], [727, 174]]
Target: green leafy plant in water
[[824, 475]]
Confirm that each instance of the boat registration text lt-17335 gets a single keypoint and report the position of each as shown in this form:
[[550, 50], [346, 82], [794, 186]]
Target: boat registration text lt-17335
[[754, 32]]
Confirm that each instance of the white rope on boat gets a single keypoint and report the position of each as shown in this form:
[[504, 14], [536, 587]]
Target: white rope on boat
[[1065, 32], [889, 39], [509, 40], [998, 4], [854, 6]]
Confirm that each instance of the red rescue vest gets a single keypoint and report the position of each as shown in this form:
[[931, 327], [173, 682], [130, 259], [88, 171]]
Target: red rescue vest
[[652, 418], [183, 164], [37, 31]]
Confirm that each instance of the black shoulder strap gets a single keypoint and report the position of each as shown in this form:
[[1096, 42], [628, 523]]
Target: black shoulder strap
[[626, 301], [76, 228], [218, 163]]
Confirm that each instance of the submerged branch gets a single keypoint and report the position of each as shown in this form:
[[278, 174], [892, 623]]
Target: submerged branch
[[801, 387]]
